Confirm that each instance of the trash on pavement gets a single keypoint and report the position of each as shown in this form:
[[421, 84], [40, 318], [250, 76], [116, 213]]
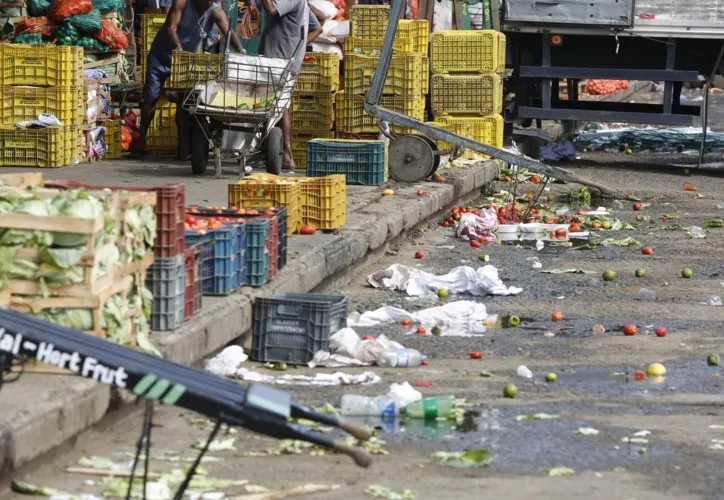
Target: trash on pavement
[[524, 371], [646, 294], [464, 460], [559, 471], [390, 494], [347, 349], [536, 416], [714, 300], [461, 279], [458, 318], [322, 379], [568, 271], [588, 431], [431, 408], [477, 227], [696, 232], [558, 152], [227, 361], [387, 406], [401, 358], [216, 445]]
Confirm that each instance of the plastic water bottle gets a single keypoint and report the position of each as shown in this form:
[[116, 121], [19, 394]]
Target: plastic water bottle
[[362, 406], [400, 358], [437, 407]]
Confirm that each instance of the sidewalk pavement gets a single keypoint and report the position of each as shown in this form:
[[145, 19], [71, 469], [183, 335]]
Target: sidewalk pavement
[[61, 407]]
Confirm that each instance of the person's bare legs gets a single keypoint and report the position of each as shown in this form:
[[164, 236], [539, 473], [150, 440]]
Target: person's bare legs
[[148, 111], [286, 125]]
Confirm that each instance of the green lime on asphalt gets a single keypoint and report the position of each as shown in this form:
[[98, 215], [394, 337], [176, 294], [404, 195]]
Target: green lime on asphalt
[[713, 360], [609, 275], [510, 391], [687, 273], [513, 321], [551, 377], [640, 272], [442, 293]]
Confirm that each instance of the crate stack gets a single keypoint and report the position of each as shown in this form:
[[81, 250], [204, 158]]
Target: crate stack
[[466, 84], [96, 105], [313, 102], [100, 291], [40, 79], [407, 81]]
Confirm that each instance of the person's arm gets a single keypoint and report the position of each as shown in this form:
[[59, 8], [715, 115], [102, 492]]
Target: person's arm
[[270, 7], [223, 23], [315, 29], [174, 17]]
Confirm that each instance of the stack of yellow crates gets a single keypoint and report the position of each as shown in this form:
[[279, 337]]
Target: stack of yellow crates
[[407, 79], [467, 89], [40, 79], [312, 106]]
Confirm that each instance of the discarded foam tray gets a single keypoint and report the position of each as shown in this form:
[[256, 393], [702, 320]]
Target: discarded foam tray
[[533, 227], [508, 228]]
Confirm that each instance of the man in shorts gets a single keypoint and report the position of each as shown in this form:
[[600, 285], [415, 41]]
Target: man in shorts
[[289, 21], [187, 26]]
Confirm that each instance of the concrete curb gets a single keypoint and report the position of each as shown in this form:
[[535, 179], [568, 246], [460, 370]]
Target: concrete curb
[[30, 429]]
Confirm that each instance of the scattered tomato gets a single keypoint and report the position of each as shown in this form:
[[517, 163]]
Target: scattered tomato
[[475, 244], [445, 224], [661, 332], [687, 187], [630, 330], [420, 192], [405, 322], [419, 255], [637, 206], [552, 235], [574, 228], [506, 179], [560, 232], [421, 330], [440, 179], [647, 251], [425, 383], [476, 355], [557, 316], [424, 362], [368, 337], [639, 375], [307, 230]]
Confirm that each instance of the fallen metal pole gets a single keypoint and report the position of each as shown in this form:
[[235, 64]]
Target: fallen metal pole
[[372, 107]]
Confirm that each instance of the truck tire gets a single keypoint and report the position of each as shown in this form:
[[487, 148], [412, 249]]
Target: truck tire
[[274, 151]]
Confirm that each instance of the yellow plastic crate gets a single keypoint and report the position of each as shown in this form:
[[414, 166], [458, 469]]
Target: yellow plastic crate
[[465, 51], [112, 138], [42, 65], [19, 104], [467, 94], [418, 30], [461, 129], [299, 145], [490, 126], [351, 117], [312, 111], [369, 21], [406, 74], [324, 201], [257, 194], [162, 136], [501, 52], [372, 46], [40, 147], [319, 73], [150, 26], [187, 69], [73, 144], [142, 69]]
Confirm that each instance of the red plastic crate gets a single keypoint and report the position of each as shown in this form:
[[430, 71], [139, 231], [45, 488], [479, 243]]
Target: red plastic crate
[[189, 281], [170, 213], [272, 245]]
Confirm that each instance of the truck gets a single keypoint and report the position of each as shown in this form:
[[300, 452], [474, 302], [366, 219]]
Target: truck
[[552, 43]]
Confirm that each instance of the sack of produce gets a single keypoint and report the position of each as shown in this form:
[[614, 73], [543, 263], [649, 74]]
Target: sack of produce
[[111, 35], [38, 7], [87, 23], [39, 25], [66, 34], [28, 38], [60, 10], [90, 43], [106, 6]]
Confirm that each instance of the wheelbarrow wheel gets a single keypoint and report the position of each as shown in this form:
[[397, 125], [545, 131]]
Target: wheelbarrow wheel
[[274, 151], [199, 151]]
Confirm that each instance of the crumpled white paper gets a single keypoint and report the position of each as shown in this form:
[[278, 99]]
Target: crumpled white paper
[[461, 318], [461, 279], [403, 394], [337, 378], [475, 227], [346, 348], [227, 361]]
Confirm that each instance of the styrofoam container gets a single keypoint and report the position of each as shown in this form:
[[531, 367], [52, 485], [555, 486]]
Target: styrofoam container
[[508, 228], [533, 227]]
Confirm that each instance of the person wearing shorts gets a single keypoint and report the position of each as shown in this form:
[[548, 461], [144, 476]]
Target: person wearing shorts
[[289, 22], [187, 26]]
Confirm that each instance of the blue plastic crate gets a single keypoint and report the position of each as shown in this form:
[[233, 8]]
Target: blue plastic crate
[[219, 255], [362, 162], [292, 327], [257, 256]]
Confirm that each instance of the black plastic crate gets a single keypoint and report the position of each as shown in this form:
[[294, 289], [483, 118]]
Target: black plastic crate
[[292, 327]]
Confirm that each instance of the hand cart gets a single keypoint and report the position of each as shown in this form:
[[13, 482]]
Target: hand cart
[[414, 157], [237, 109]]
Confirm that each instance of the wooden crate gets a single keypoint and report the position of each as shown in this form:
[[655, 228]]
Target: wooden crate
[[22, 180], [97, 87]]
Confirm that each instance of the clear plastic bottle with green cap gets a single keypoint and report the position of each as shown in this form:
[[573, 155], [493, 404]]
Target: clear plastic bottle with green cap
[[437, 407]]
